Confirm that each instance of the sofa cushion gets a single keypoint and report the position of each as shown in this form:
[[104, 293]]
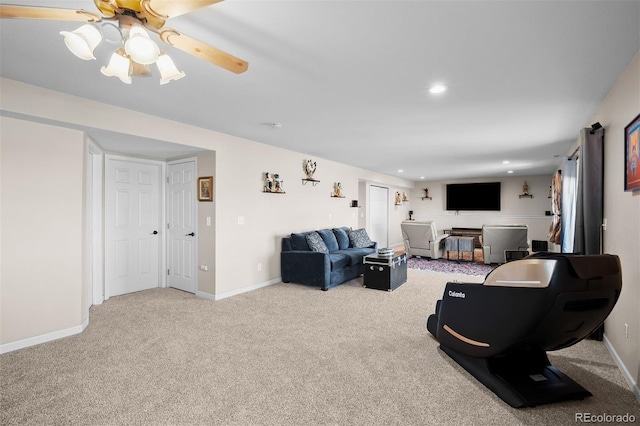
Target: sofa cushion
[[316, 243], [359, 238], [338, 260], [299, 241], [342, 236], [329, 239]]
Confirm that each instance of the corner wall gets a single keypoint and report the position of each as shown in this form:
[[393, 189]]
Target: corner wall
[[41, 268], [622, 212]]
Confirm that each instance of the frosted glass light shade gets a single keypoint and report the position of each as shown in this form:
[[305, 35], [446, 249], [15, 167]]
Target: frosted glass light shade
[[168, 70], [119, 66], [82, 41], [140, 47]]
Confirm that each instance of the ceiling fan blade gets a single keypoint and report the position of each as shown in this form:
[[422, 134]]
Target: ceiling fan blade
[[31, 12], [166, 9], [203, 51]]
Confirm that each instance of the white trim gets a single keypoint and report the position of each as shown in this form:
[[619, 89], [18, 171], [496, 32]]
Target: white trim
[[246, 289], [97, 158], [32, 341], [205, 295], [623, 369]]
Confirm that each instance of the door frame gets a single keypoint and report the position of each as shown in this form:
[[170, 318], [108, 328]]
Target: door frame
[[162, 189], [95, 233], [194, 160], [370, 207]]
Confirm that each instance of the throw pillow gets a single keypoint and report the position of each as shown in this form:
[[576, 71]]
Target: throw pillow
[[359, 238], [329, 239], [342, 237], [316, 243]]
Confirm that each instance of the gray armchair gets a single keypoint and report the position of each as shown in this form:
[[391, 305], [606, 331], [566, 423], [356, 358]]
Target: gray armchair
[[496, 239], [422, 239]]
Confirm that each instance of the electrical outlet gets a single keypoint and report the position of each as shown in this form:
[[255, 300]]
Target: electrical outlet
[[259, 266], [626, 331]]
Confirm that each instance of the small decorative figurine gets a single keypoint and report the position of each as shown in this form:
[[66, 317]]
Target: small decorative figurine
[[309, 168], [426, 192], [525, 188], [278, 183], [405, 197], [268, 182], [398, 198], [337, 190]]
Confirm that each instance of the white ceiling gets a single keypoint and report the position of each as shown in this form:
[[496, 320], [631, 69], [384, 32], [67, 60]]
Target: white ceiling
[[348, 79]]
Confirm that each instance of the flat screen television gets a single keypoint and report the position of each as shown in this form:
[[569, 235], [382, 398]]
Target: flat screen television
[[483, 196]]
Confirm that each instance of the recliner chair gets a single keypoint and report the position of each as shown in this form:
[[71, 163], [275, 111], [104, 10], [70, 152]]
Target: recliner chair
[[499, 331], [422, 239], [496, 239]]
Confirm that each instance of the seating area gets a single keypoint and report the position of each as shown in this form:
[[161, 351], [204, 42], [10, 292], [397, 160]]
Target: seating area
[[325, 258], [497, 243]]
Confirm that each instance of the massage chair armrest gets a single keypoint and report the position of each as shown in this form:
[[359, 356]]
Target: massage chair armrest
[[483, 321]]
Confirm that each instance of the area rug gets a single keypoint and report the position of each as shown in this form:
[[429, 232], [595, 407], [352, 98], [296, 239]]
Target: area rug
[[467, 267]]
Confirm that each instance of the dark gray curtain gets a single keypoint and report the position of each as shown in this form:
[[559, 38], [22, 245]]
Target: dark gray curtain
[[589, 208]]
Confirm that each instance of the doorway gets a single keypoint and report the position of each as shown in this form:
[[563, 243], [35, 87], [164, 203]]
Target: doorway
[[133, 230], [379, 214]]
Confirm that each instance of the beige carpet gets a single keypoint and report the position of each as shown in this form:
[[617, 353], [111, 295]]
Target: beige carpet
[[282, 355]]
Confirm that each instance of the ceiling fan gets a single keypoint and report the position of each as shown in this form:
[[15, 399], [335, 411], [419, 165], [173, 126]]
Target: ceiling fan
[[129, 21]]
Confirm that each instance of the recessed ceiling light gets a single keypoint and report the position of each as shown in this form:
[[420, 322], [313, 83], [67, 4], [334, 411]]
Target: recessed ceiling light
[[510, 171], [421, 177], [437, 88], [505, 162], [400, 170]]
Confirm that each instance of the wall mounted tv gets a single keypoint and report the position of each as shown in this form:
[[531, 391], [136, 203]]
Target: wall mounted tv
[[473, 196]]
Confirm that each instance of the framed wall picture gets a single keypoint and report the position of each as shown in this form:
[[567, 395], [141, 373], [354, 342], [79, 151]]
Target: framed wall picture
[[205, 188], [632, 155]]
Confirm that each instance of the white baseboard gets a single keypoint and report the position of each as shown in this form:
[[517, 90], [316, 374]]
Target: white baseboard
[[623, 369], [205, 295], [247, 289], [32, 341]]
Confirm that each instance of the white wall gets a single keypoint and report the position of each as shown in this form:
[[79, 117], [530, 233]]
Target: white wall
[[622, 211], [514, 210], [41, 268], [239, 165]]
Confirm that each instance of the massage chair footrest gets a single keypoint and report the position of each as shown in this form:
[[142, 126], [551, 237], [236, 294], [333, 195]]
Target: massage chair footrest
[[523, 379]]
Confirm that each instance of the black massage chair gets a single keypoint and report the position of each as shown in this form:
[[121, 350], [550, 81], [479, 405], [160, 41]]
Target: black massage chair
[[499, 331]]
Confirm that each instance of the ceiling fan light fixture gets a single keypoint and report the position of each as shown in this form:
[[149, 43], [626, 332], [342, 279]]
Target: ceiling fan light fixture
[[82, 41], [168, 70], [119, 66], [140, 47]]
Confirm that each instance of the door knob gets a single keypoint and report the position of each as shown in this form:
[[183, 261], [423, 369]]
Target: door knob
[[154, 232], [190, 235]]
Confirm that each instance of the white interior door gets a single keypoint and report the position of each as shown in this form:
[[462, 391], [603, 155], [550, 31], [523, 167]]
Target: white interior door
[[181, 219], [132, 222], [379, 215]]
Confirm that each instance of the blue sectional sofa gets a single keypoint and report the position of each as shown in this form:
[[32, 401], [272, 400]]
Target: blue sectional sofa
[[342, 261]]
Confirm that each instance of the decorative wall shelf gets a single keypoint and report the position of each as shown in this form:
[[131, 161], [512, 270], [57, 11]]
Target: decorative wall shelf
[[525, 196], [337, 196], [314, 181], [427, 198], [274, 192]]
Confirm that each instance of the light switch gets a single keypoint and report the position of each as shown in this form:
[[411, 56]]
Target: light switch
[[208, 220], [240, 220]]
